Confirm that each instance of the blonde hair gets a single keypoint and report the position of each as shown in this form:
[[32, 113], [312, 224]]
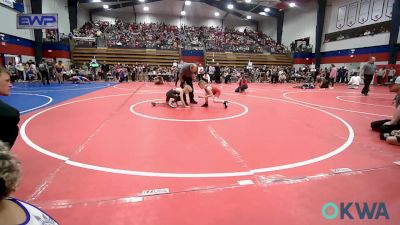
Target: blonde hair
[[4, 70], [201, 82], [187, 89], [9, 171]]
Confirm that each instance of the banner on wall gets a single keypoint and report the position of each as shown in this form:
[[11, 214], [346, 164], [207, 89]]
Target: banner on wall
[[352, 14], [389, 8], [37, 21], [9, 3], [341, 16], [14, 4], [377, 9], [363, 14]]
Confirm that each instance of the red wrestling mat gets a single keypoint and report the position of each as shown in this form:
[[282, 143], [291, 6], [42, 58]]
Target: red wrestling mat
[[267, 159]]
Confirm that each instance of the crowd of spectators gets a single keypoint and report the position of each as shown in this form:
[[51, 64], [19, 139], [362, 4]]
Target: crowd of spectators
[[164, 36], [231, 40]]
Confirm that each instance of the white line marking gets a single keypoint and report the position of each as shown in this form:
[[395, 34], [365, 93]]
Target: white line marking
[[245, 182], [327, 107], [340, 149], [67, 89], [362, 103], [188, 120], [50, 100], [227, 147]]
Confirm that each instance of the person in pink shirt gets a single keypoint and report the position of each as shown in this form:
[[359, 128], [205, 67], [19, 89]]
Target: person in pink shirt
[[332, 75]]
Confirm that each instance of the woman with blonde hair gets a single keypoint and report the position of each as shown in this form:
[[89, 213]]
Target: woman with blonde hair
[[12, 210]]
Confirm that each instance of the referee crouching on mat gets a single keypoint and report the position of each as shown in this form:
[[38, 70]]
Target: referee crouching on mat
[[186, 75]]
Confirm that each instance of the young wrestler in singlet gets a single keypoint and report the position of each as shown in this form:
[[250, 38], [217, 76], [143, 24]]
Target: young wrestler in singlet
[[175, 95], [211, 91]]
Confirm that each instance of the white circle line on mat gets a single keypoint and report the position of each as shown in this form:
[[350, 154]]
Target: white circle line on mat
[[67, 160], [361, 103], [285, 95], [50, 100], [20, 90], [246, 110]]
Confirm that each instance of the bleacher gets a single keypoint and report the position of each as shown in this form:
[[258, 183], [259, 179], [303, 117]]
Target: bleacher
[[154, 57], [242, 59], [151, 57]]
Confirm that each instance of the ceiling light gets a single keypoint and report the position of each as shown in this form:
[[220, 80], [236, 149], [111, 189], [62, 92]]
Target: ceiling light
[[262, 13], [188, 2], [292, 4], [216, 14], [247, 1], [248, 17], [230, 6], [146, 8], [141, 0], [106, 6], [267, 9], [183, 13], [96, 1]]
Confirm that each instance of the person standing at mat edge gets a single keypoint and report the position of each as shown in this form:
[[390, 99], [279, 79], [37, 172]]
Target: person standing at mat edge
[[186, 76], [9, 116], [368, 71]]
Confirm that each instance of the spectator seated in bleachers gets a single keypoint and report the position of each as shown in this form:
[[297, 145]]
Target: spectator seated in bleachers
[[163, 36]]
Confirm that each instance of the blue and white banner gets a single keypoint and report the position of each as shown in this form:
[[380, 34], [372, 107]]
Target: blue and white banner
[[341, 16], [352, 14], [377, 9], [37, 21], [14, 4], [389, 8], [9, 3], [363, 14]]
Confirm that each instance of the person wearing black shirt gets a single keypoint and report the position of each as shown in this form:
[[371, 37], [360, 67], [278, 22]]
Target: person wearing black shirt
[[186, 75], [217, 74], [9, 116]]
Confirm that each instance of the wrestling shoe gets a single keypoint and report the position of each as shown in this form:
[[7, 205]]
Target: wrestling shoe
[[225, 104], [172, 104]]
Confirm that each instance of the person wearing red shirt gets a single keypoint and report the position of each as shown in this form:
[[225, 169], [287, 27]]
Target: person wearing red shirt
[[242, 84], [211, 91]]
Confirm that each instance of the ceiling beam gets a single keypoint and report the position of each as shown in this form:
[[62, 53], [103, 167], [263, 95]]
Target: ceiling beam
[[91, 1], [222, 6], [121, 5], [247, 7]]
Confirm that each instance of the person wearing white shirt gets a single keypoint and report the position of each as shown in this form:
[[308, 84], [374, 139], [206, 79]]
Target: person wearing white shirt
[[206, 78], [381, 75], [200, 71], [354, 82], [391, 74]]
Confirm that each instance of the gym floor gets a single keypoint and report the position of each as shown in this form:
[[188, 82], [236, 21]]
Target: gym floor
[[100, 153]]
